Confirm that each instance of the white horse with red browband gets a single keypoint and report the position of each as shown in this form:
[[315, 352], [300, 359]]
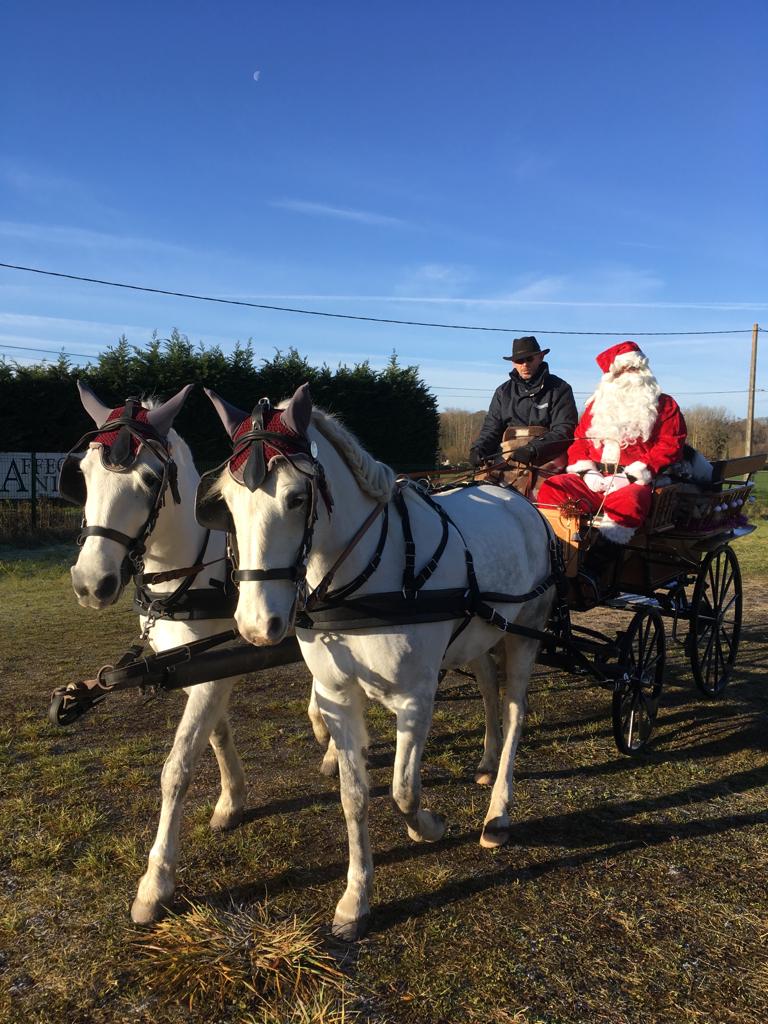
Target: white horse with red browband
[[120, 501], [398, 665]]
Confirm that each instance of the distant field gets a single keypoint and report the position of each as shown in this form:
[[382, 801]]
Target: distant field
[[631, 891], [761, 485]]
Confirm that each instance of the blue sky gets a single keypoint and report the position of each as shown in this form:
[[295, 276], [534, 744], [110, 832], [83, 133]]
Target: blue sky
[[585, 166]]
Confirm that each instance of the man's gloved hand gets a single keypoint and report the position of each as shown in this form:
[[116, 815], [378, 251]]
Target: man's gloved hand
[[616, 482], [596, 481], [525, 455], [475, 458]]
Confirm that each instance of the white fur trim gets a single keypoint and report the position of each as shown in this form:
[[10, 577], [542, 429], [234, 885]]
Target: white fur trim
[[625, 359], [614, 531], [581, 466], [639, 471]]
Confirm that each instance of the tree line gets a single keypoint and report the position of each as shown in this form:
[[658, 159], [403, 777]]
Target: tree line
[[714, 431], [391, 411]]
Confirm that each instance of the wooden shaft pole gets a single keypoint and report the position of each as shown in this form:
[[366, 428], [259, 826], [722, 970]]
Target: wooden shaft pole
[[751, 397]]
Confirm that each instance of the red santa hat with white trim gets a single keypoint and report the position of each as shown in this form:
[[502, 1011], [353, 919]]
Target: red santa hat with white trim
[[619, 357]]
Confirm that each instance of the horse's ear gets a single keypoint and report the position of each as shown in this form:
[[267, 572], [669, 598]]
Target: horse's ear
[[163, 416], [298, 413], [95, 408], [229, 415]]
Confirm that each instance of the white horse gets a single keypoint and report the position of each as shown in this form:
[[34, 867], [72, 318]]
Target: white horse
[[119, 500], [298, 488]]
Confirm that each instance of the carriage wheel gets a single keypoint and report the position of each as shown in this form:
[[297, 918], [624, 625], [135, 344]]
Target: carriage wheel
[[636, 694], [713, 636]]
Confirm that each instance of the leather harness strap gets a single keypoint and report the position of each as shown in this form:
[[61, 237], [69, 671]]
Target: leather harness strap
[[413, 604]]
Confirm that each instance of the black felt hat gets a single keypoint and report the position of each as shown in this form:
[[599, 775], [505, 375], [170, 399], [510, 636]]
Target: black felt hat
[[524, 347]]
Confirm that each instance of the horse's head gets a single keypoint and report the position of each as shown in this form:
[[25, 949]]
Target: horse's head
[[266, 495], [122, 479]]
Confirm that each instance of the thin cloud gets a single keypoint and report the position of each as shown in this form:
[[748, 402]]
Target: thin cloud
[[491, 303], [85, 239], [339, 212]]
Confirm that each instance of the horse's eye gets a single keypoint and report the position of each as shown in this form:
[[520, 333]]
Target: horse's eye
[[148, 478], [295, 500]]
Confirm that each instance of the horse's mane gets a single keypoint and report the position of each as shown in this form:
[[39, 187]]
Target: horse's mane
[[374, 478]]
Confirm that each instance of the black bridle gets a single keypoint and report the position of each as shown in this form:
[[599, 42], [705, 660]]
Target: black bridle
[[119, 457], [213, 513]]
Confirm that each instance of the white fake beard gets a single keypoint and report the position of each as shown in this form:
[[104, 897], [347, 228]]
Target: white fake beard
[[624, 410]]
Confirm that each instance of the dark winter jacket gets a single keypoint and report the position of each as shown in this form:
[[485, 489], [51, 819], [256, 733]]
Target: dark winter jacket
[[545, 401]]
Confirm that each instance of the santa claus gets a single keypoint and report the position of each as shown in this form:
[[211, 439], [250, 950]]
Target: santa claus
[[627, 434]]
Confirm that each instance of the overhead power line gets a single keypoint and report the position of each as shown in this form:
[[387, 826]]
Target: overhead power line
[[352, 316]]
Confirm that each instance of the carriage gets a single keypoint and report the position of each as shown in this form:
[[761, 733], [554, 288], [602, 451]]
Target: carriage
[[679, 567]]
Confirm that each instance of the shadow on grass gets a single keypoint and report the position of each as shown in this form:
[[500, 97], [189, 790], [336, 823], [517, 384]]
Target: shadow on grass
[[583, 829], [635, 837]]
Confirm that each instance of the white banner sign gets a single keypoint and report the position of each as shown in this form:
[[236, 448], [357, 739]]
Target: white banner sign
[[16, 474]]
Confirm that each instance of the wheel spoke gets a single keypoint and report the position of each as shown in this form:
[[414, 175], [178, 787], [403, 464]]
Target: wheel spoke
[[651, 665], [709, 660], [727, 577], [646, 632], [629, 723], [727, 606], [718, 564], [727, 639]]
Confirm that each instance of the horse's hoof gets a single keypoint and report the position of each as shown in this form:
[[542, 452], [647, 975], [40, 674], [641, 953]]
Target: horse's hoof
[[484, 778], [350, 931], [144, 913], [430, 827], [494, 836], [225, 821]]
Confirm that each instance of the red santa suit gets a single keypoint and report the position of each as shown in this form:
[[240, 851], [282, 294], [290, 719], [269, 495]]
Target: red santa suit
[[627, 434]]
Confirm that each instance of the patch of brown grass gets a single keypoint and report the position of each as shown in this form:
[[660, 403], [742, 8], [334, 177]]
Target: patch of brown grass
[[215, 957]]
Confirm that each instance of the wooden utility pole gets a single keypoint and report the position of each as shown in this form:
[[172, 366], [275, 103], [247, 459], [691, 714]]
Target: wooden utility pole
[[751, 398]]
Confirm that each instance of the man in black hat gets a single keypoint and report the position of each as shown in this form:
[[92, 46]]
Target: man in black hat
[[531, 398]]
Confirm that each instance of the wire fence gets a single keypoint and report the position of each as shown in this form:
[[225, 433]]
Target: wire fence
[[30, 506], [46, 519]]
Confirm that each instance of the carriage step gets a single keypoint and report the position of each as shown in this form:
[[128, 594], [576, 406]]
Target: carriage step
[[631, 602]]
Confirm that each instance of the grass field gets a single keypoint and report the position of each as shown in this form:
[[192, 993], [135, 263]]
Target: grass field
[[632, 891]]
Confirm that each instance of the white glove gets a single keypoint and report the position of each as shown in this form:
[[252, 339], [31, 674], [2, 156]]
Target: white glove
[[595, 481], [640, 472], [616, 482]]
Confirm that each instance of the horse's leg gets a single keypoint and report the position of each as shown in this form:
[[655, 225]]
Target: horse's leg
[[228, 812], [520, 658], [414, 717], [343, 713], [203, 712], [487, 676], [330, 763]]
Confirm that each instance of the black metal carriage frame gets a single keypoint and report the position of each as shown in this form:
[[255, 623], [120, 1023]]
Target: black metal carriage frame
[[698, 588], [686, 576]]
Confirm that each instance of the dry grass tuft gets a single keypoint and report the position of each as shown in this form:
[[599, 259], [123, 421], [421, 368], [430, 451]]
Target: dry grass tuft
[[217, 957]]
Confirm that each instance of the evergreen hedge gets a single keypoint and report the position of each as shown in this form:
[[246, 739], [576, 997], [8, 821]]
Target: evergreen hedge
[[391, 411]]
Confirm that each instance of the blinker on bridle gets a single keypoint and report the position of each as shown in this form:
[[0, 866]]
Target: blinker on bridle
[[255, 443], [120, 439]]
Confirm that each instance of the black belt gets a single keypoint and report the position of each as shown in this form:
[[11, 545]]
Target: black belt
[[610, 467]]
